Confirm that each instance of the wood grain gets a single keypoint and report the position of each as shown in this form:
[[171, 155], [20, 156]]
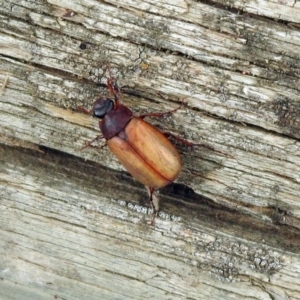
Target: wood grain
[[74, 224]]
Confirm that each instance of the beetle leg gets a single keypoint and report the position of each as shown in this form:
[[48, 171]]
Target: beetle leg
[[85, 111], [191, 144], [154, 201], [163, 113], [183, 141], [89, 144]]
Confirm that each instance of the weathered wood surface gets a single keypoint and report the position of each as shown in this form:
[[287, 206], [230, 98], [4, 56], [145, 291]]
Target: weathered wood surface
[[74, 224]]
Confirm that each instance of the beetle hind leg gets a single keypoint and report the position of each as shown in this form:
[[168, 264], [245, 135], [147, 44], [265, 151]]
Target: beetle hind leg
[[188, 144], [154, 201]]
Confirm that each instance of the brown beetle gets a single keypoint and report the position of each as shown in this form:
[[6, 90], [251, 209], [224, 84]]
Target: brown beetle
[[142, 149]]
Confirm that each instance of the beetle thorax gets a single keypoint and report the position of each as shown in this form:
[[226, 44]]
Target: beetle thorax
[[115, 121]]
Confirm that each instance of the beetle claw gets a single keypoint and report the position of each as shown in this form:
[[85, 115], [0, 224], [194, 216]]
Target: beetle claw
[[152, 223]]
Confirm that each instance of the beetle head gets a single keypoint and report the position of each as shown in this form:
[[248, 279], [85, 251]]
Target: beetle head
[[102, 107]]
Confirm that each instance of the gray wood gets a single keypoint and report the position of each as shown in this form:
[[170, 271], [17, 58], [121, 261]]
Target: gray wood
[[75, 225]]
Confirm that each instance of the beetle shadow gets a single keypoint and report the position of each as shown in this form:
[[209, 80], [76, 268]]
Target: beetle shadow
[[180, 199], [181, 193]]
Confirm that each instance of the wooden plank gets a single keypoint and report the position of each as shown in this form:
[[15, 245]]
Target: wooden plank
[[65, 231], [229, 226], [275, 9]]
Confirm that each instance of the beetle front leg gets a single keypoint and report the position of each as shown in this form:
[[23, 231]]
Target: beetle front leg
[[85, 111]]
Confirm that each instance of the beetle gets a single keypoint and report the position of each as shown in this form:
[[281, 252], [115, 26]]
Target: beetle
[[144, 151]]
